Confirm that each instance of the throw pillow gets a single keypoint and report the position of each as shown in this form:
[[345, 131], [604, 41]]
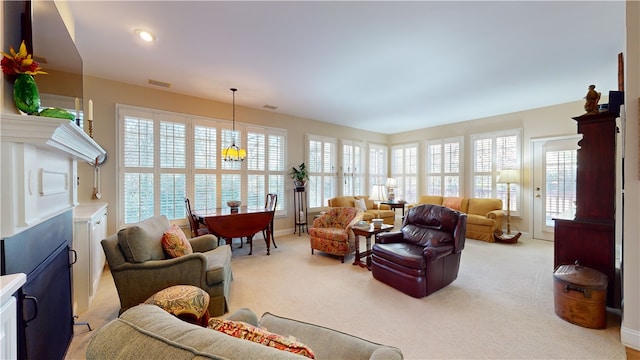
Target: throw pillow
[[249, 332], [360, 204], [454, 203], [175, 243]]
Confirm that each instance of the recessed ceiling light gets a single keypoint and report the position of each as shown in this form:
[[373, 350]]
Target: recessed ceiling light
[[145, 35]]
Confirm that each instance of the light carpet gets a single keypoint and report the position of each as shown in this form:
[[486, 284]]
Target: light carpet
[[500, 307]]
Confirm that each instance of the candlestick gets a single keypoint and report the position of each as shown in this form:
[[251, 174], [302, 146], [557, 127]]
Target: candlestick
[[90, 128], [90, 112]]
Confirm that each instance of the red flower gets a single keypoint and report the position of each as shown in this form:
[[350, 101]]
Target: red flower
[[20, 62]]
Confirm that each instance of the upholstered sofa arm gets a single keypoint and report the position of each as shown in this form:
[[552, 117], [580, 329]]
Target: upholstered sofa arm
[[327, 343], [203, 243], [382, 207], [389, 237], [495, 214]]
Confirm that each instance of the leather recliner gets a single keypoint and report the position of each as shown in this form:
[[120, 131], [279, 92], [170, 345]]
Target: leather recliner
[[424, 256]]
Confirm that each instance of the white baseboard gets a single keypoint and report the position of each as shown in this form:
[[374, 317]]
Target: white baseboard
[[630, 338]]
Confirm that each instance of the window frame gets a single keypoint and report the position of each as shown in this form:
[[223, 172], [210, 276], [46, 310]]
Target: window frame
[[509, 161], [442, 174], [406, 173], [323, 181], [215, 168]]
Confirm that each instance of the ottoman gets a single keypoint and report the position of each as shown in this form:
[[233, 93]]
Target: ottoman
[[187, 302], [580, 295]]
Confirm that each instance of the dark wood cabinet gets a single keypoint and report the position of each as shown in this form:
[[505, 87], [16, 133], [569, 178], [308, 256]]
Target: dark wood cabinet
[[589, 238]]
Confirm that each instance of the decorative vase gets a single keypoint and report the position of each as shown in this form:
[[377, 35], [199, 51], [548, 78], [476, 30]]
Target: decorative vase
[[26, 95], [299, 184]]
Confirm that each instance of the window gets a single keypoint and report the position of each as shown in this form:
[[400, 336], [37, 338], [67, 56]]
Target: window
[[378, 160], [491, 153], [352, 168], [404, 168], [265, 166], [322, 170], [444, 167], [167, 157]]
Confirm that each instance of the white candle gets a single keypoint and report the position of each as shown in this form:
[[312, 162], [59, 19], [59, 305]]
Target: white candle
[[77, 108], [90, 112]]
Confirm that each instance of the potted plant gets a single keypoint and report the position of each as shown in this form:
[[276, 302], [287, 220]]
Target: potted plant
[[299, 176]]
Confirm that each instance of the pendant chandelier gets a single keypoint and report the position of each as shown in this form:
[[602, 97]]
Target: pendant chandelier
[[233, 152]]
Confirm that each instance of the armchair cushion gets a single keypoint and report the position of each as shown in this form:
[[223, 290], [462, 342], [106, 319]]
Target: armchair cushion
[[142, 241], [175, 243]]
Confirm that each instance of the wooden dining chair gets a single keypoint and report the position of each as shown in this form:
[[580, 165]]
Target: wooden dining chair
[[270, 202], [197, 229]]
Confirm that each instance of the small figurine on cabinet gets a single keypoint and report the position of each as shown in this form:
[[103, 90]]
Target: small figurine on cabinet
[[592, 97]]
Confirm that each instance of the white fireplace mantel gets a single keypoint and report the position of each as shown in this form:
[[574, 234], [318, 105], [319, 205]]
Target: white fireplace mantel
[[39, 168], [52, 134]]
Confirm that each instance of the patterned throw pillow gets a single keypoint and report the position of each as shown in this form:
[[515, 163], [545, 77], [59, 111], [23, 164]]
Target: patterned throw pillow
[[249, 332], [175, 243], [187, 302]]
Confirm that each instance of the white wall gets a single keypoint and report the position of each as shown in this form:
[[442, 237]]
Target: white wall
[[630, 330]]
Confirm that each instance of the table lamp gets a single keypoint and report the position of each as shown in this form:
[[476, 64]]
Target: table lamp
[[391, 184], [378, 194]]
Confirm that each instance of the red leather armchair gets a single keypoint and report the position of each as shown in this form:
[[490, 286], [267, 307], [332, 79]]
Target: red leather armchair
[[424, 256]]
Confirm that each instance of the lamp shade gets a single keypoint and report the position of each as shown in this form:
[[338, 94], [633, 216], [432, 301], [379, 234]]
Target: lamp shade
[[509, 176], [234, 153], [378, 193], [392, 183]]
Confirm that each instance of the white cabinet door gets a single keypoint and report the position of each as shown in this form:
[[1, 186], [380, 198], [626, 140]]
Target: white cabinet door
[[9, 329], [90, 227]]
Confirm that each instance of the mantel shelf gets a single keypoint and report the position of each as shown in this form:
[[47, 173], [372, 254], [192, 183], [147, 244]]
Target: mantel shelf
[[48, 133]]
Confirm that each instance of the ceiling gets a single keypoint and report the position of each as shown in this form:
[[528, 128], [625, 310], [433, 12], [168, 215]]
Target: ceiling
[[384, 66]]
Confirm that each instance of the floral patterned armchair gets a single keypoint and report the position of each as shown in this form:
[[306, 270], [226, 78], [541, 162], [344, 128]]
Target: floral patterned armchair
[[331, 233]]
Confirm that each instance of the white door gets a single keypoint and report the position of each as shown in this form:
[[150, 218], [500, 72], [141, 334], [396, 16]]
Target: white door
[[554, 182]]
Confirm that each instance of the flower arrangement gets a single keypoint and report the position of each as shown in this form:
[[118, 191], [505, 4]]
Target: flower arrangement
[[20, 62]]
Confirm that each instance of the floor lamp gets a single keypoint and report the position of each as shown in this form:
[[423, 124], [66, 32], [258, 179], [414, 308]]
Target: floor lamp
[[508, 176]]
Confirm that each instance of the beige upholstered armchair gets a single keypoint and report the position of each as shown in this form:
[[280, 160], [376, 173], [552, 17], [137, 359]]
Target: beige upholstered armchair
[[141, 267], [331, 232]]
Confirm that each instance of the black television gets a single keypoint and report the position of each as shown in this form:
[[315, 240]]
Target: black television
[[46, 36]]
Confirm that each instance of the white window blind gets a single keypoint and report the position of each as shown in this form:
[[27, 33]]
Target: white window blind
[[321, 165], [205, 164], [491, 153], [265, 166], [352, 168], [444, 167], [378, 160], [404, 168]]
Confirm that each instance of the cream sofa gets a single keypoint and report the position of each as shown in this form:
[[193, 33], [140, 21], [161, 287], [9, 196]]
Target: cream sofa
[[484, 216], [385, 213], [148, 332]]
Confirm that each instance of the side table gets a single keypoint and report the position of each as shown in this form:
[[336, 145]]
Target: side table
[[395, 205], [367, 233]]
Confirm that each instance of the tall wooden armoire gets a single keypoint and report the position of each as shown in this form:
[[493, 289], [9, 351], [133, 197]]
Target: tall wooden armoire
[[590, 237]]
